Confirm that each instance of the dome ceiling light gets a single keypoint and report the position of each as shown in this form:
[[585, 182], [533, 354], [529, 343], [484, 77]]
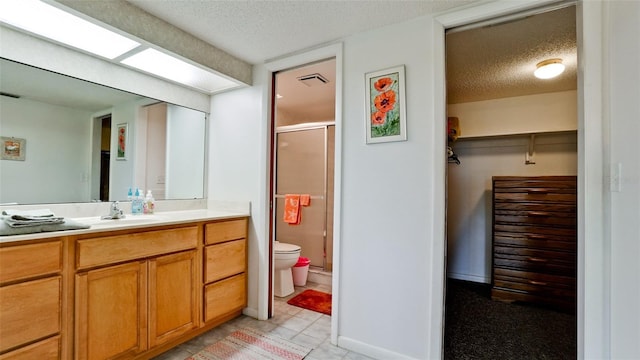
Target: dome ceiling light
[[549, 68]]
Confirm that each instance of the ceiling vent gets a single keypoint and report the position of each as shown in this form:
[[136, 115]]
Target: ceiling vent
[[313, 79]]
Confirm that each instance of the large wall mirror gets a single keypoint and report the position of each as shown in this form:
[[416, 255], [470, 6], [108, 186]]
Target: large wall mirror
[[68, 140]]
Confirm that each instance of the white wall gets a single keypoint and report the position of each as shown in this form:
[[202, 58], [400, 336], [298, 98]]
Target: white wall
[[387, 208], [622, 26], [57, 144], [519, 114], [237, 171], [469, 202]]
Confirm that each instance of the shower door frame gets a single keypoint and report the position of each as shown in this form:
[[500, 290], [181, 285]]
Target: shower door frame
[[304, 127]]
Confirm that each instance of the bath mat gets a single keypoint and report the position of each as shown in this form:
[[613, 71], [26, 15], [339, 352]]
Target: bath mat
[[313, 300], [249, 344]]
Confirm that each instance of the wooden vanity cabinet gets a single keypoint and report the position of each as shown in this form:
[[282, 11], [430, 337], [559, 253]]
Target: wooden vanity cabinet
[[143, 294], [31, 300], [534, 240], [225, 265]]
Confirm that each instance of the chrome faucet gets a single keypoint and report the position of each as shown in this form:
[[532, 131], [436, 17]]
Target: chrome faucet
[[115, 213]]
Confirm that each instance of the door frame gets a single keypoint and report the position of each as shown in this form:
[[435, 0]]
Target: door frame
[[592, 331], [315, 55]]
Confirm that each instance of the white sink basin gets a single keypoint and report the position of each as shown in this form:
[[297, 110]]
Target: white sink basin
[[127, 220]]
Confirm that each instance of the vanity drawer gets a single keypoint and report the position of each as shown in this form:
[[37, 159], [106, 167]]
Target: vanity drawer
[[48, 349], [224, 260], [225, 231], [112, 249], [30, 260], [225, 296], [29, 311]]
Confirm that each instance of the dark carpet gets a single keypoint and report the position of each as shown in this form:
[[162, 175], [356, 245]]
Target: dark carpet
[[477, 327]]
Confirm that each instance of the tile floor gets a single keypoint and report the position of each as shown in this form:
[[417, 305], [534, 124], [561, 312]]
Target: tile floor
[[299, 325]]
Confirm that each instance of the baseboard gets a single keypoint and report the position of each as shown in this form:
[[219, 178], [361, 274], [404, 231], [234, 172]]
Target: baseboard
[[370, 350], [468, 277], [250, 312]]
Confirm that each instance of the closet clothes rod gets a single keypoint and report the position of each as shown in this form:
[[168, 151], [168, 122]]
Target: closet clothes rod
[[313, 197]]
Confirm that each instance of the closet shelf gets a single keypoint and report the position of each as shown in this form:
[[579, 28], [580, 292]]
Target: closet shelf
[[522, 134]]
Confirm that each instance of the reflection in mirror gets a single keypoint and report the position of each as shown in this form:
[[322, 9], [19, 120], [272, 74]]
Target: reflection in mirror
[[68, 140]]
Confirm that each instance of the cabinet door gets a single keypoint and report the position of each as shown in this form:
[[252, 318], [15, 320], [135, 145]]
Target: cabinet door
[[111, 311], [173, 306]]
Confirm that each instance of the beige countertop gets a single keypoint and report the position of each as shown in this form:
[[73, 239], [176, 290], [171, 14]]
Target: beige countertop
[[133, 221]]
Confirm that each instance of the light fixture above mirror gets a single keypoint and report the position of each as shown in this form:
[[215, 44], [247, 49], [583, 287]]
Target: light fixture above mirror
[[53, 22]]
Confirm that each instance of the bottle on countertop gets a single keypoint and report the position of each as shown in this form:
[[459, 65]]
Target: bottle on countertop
[[149, 203], [136, 203]]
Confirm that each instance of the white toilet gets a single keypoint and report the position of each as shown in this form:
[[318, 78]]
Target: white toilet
[[285, 256]]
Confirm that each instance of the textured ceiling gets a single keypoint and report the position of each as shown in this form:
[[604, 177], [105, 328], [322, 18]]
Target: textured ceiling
[[498, 61], [256, 31], [304, 103]]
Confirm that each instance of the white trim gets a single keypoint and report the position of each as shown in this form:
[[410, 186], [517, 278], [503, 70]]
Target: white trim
[[369, 350], [469, 277], [327, 52], [592, 336]]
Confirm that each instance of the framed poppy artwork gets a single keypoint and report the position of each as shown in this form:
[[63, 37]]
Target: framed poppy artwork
[[123, 133], [386, 106], [13, 148]]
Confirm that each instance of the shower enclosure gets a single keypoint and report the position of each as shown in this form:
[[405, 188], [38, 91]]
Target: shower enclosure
[[305, 165]]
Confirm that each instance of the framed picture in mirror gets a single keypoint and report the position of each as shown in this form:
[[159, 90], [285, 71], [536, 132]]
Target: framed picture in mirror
[[13, 148], [122, 131]]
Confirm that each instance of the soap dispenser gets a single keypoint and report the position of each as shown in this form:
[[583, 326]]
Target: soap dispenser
[[149, 203], [136, 203]]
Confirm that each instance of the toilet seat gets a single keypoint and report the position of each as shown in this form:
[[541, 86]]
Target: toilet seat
[[283, 248]]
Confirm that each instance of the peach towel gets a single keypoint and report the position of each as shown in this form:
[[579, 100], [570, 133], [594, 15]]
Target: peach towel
[[292, 210]]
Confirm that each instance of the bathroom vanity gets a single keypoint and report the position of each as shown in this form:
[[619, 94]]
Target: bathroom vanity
[[122, 289]]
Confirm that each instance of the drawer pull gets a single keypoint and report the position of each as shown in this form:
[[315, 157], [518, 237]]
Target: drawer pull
[[539, 213], [538, 191], [533, 282], [536, 259], [537, 237]]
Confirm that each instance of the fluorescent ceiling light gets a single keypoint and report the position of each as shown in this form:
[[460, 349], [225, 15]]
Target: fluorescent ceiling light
[[169, 67], [48, 21], [548, 69]]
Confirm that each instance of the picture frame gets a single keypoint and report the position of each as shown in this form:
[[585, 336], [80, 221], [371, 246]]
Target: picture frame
[[122, 133], [13, 148], [385, 115]]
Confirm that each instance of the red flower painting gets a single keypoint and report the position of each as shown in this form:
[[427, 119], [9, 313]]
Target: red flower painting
[[383, 84]]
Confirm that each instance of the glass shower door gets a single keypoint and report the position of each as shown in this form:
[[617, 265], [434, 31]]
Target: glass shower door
[[301, 169]]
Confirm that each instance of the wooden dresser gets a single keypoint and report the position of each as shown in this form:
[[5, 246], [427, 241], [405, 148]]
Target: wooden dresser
[[534, 240]]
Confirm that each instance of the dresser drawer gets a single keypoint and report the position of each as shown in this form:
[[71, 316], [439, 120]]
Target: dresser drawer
[[30, 260], [535, 241], [536, 183], [533, 279], [539, 261], [224, 260], [113, 249], [526, 195], [512, 228], [29, 311], [225, 231], [544, 218]]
